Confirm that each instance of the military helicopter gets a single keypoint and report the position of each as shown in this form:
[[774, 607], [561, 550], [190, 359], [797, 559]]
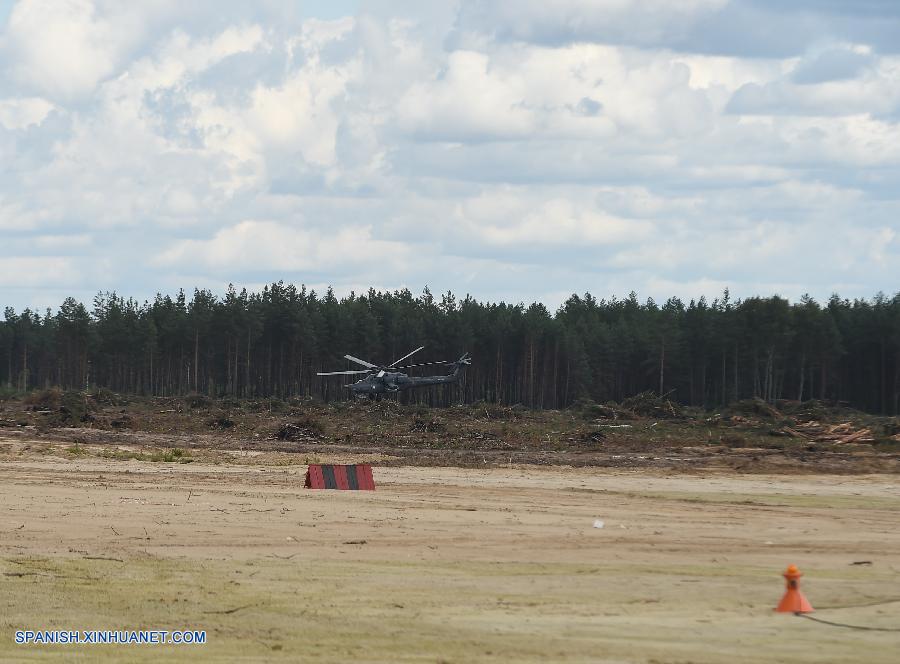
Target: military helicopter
[[381, 380]]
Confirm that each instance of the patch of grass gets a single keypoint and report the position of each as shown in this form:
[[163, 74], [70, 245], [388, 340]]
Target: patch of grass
[[120, 455], [77, 450], [175, 455]]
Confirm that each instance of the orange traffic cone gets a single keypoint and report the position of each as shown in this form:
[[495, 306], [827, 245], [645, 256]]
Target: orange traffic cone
[[793, 600]]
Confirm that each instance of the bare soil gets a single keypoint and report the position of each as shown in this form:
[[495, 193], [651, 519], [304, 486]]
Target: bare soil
[[142, 529]]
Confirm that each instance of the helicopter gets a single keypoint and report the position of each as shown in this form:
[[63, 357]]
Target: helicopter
[[381, 379]]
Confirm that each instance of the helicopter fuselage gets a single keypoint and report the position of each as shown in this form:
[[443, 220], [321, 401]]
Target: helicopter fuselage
[[388, 382]]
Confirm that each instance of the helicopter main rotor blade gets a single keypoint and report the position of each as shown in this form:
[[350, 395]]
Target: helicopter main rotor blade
[[362, 362], [341, 373], [396, 362]]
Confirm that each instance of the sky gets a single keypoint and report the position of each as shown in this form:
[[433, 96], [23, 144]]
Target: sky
[[517, 151]]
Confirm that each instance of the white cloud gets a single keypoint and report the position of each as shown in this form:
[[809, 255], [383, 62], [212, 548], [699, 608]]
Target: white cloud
[[297, 116], [63, 48], [56, 243], [37, 272], [22, 112], [516, 150], [469, 100], [513, 217], [250, 245]]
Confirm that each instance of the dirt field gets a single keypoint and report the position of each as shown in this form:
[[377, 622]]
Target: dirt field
[[442, 564]]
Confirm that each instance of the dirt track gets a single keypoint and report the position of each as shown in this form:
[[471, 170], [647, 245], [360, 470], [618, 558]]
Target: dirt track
[[446, 564]]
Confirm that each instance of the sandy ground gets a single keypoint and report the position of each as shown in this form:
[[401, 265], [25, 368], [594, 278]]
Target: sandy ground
[[444, 564]]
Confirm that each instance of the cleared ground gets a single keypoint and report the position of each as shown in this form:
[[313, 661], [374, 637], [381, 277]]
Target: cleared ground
[[442, 564]]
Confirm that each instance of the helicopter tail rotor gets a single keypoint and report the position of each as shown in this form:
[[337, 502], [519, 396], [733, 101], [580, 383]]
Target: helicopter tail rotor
[[464, 361]]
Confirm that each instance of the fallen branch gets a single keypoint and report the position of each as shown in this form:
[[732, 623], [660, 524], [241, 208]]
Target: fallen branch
[[275, 555], [793, 433], [862, 433], [229, 611]]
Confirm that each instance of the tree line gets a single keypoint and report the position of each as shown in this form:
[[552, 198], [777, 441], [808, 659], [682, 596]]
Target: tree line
[[272, 343]]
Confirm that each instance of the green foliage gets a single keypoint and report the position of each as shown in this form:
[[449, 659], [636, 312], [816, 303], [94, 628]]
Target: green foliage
[[107, 397], [120, 455], [7, 393], [74, 409], [754, 408], [175, 455], [77, 450], [589, 410], [268, 346], [648, 404]]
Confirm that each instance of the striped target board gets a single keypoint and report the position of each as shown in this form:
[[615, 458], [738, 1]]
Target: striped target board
[[354, 477]]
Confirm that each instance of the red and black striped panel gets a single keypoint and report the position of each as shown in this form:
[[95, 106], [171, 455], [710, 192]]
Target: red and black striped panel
[[364, 477], [352, 481], [333, 476], [340, 477], [314, 478]]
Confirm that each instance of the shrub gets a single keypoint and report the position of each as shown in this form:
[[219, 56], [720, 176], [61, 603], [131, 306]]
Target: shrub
[[44, 399], [198, 401], [222, 422], [305, 428]]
